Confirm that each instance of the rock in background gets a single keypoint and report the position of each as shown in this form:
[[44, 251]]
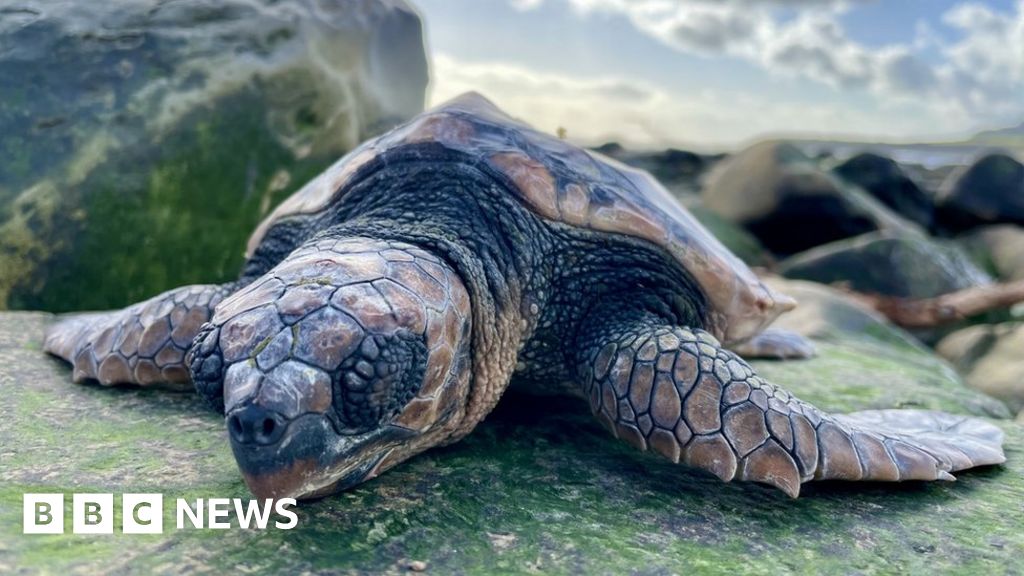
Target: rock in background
[[141, 141], [869, 224], [991, 360], [902, 266], [999, 249], [884, 179], [785, 199], [989, 191]]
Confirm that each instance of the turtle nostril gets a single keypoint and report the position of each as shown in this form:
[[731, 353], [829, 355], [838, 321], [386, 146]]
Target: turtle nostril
[[235, 428], [256, 425], [268, 426]]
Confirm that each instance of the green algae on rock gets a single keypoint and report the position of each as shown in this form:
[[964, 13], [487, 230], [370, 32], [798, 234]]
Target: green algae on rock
[[143, 140], [530, 491]]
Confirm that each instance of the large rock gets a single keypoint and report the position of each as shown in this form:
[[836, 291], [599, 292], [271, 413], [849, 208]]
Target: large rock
[[901, 266], [678, 170], [991, 360], [989, 191], [538, 488], [736, 238], [998, 248], [884, 179], [142, 140], [791, 205]]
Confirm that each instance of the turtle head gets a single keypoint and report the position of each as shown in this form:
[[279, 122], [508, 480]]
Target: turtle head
[[333, 368]]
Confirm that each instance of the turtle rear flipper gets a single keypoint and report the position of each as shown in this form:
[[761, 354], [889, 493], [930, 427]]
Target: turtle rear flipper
[[145, 343], [677, 392], [951, 442]]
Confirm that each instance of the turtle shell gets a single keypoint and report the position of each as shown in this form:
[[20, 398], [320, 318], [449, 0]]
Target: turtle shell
[[565, 183]]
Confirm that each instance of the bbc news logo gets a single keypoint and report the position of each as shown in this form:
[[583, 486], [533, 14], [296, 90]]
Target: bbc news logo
[[144, 513]]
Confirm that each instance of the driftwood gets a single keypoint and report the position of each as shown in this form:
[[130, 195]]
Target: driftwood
[[947, 308]]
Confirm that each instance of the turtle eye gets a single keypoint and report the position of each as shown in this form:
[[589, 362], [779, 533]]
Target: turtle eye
[[207, 366], [376, 382]]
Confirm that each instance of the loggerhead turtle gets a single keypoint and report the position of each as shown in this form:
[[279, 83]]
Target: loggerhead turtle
[[387, 305]]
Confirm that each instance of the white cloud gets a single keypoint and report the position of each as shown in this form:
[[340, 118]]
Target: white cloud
[[526, 4], [595, 110], [979, 77]]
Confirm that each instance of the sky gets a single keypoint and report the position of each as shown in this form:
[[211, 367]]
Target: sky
[[710, 74]]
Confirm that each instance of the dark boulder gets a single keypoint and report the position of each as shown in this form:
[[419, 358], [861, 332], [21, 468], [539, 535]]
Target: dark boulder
[[679, 170], [904, 266], [791, 205], [990, 191], [613, 149], [884, 179]]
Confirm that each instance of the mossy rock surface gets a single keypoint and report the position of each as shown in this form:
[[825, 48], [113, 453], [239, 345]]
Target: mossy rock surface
[[538, 488], [141, 141]]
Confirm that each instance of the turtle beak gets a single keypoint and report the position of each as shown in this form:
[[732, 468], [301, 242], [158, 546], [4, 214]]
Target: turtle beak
[[304, 457], [764, 308], [783, 303]]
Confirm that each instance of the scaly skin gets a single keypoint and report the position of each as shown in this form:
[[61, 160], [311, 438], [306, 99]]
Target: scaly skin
[[676, 392], [392, 316], [143, 344], [344, 339]]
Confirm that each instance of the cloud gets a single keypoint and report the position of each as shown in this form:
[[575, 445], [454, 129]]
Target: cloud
[[588, 4], [979, 76], [596, 110], [526, 4]]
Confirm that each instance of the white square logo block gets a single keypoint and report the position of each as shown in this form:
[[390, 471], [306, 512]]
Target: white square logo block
[[42, 514], [142, 513], [92, 513]]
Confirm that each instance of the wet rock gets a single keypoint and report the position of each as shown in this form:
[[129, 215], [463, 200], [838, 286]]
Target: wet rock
[[884, 179], [142, 140], [989, 191], [543, 477], [901, 266], [999, 249], [783, 198], [990, 358]]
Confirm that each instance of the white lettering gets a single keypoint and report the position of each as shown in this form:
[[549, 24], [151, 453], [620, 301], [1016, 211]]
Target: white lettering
[[196, 516], [281, 507]]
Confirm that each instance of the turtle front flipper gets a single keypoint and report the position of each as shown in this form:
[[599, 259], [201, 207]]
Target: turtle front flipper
[[675, 391], [145, 343]]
